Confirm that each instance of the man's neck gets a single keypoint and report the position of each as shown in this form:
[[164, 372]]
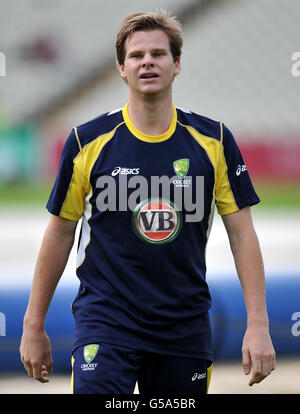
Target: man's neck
[[151, 116]]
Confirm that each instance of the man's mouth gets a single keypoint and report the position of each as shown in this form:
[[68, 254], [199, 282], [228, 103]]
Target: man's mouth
[[149, 76]]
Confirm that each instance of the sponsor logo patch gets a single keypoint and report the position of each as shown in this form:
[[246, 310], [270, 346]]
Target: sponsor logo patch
[[181, 167], [198, 376], [240, 169], [125, 171], [89, 353], [156, 221]]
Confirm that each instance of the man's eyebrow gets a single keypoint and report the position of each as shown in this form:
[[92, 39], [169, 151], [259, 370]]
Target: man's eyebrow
[[133, 52], [155, 49], [159, 49]]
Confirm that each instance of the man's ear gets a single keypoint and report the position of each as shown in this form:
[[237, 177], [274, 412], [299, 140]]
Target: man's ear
[[122, 72], [177, 66]]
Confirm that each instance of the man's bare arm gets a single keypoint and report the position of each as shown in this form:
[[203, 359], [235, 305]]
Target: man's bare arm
[[257, 350], [35, 349]]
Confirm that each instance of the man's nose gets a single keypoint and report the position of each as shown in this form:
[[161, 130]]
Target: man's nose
[[147, 61]]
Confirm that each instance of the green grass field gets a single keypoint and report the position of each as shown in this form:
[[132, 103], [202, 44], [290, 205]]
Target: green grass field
[[278, 194], [31, 194], [272, 194]]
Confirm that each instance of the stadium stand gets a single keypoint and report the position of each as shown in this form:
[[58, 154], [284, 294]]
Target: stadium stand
[[237, 67], [53, 48]]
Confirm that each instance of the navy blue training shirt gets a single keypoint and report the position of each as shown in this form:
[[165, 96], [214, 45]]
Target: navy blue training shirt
[[147, 205]]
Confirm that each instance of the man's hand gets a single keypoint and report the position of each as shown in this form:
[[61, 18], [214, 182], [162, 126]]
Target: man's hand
[[35, 346], [35, 352], [258, 353]]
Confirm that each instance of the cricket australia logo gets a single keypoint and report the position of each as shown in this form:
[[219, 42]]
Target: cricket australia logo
[[156, 221], [181, 167], [89, 353]]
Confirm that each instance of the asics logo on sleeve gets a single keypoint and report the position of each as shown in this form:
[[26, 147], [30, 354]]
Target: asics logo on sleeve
[[240, 169], [126, 171], [198, 376]]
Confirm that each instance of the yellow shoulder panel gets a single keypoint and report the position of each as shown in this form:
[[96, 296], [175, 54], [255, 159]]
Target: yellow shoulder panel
[[80, 186]]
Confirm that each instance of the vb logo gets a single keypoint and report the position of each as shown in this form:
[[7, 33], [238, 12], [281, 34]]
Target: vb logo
[[156, 221], [2, 64]]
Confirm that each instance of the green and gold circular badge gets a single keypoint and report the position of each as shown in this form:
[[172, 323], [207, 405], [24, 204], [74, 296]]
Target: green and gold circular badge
[[156, 221]]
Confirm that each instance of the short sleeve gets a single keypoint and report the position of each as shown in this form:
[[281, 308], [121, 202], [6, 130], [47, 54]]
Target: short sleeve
[[234, 189], [67, 195]]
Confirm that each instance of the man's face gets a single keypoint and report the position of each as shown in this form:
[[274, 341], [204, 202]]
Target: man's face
[[149, 67]]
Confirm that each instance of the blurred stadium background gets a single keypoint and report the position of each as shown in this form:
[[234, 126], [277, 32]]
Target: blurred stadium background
[[236, 67]]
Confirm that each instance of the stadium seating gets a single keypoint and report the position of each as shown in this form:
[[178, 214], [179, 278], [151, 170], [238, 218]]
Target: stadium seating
[[236, 67], [81, 37]]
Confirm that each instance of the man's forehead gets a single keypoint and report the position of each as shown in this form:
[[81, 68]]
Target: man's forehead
[[145, 38]]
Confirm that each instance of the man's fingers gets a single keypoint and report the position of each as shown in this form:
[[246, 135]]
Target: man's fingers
[[257, 370], [44, 374], [267, 366], [272, 362], [48, 363], [29, 369], [35, 352], [246, 361], [37, 370], [262, 366], [256, 378], [27, 366], [40, 373]]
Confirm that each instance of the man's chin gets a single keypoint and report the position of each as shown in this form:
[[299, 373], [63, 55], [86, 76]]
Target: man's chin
[[152, 91]]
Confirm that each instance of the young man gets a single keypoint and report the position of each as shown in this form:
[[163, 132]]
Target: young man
[[145, 180]]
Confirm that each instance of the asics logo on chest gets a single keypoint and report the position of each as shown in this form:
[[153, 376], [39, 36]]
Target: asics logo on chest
[[126, 171]]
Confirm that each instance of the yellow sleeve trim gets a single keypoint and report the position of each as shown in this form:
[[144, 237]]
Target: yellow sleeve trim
[[69, 216], [80, 186], [77, 137], [72, 375], [209, 373], [73, 205], [225, 200]]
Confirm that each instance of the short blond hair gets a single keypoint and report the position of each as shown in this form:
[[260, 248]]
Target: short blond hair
[[146, 21]]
